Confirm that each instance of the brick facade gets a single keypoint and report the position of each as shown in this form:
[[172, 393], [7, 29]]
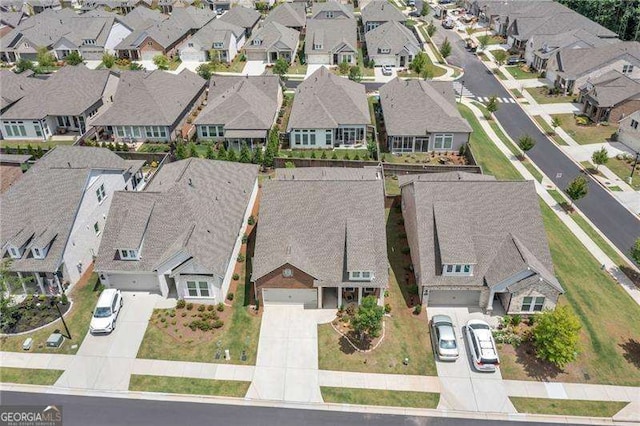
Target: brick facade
[[275, 279]]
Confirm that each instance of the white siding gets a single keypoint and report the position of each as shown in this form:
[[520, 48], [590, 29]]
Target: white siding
[[320, 139], [195, 52], [118, 33], [29, 128], [217, 295]]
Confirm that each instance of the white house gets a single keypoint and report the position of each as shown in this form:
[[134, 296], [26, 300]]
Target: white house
[[629, 131], [218, 40]]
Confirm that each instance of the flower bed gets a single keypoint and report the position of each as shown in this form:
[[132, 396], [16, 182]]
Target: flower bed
[[31, 313]]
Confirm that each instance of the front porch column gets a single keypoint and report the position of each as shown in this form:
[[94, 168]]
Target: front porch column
[[57, 280], [319, 297], [489, 307], [381, 297], [164, 286], [39, 281], [24, 286], [339, 297], [359, 295]]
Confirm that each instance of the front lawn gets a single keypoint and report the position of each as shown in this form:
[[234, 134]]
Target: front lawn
[[388, 398], [591, 133], [362, 154], [622, 169], [84, 300], [366, 71], [521, 73], [29, 376], [541, 96], [549, 130], [186, 385], [22, 144], [567, 407], [406, 334]]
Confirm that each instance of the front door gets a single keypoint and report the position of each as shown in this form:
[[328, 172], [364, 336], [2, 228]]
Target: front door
[[274, 56], [402, 61]]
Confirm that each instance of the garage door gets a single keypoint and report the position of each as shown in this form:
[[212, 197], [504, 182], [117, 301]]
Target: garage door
[[192, 56], [134, 282], [454, 298], [285, 296]]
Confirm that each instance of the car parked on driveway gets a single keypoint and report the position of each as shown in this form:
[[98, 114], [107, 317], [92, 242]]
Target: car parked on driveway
[[514, 60], [386, 70], [481, 345], [448, 24], [443, 336], [106, 312]]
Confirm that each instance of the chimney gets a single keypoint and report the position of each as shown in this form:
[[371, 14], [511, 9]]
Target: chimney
[[69, 164], [190, 182]]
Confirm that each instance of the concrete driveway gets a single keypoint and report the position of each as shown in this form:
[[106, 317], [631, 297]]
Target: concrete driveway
[[384, 78], [105, 361], [254, 68], [463, 388], [287, 362]]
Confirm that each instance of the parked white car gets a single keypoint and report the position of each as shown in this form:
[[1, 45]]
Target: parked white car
[[106, 312], [481, 345], [444, 338]]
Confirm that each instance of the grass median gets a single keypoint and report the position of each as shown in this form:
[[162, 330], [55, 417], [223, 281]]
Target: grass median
[[29, 376], [387, 398], [186, 385], [567, 407]]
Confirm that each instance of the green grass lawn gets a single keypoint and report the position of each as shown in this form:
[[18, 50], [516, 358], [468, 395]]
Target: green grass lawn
[[586, 134], [488, 156], [391, 186], [154, 147], [566, 407], [549, 131], [623, 170], [164, 384], [29, 376], [366, 71], [22, 144], [540, 94], [84, 300], [317, 153], [519, 73], [615, 188], [380, 397], [406, 335]]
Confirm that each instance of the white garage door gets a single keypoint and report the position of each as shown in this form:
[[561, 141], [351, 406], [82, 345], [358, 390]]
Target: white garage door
[[134, 282], [192, 56], [148, 55], [285, 296], [454, 298]]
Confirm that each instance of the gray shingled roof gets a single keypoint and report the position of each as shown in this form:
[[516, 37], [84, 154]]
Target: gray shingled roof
[[292, 211], [331, 34], [273, 34], [217, 31], [42, 206], [611, 88], [14, 158], [443, 177], [341, 9], [573, 63], [43, 29], [142, 17], [418, 107], [70, 91], [496, 213], [325, 101], [330, 173], [151, 98], [545, 45], [16, 86], [194, 206], [394, 36], [242, 103], [11, 19], [292, 15], [242, 17], [381, 11], [556, 19]]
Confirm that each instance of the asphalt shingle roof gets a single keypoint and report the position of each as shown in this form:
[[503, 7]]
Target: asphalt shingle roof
[[612, 88], [217, 31], [292, 15], [242, 17], [443, 177], [330, 173], [273, 34], [331, 34], [16, 86], [394, 36], [381, 11]]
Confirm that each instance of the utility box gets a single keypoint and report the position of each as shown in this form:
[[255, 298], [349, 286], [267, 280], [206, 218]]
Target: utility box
[[26, 345], [55, 340]]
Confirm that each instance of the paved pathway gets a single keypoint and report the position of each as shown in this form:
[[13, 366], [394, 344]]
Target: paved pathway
[[196, 370], [396, 382]]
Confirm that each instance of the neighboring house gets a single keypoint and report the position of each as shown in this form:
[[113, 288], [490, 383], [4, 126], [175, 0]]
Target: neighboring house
[[10, 20], [39, 6], [475, 240], [291, 15], [240, 109], [378, 12], [328, 111], [53, 217], [393, 44], [74, 95], [142, 17], [15, 87], [321, 243], [332, 10], [182, 235], [330, 173], [570, 69], [217, 40], [140, 110], [167, 6], [271, 42], [629, 131], [610, 97], [332, 35], [242, 17], [421, 116], [11, 169]]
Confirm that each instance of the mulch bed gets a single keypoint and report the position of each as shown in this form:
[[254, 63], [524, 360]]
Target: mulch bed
[[34, 312], [175, 322]]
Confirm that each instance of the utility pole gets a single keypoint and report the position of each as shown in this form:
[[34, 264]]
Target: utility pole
[[633, 168]]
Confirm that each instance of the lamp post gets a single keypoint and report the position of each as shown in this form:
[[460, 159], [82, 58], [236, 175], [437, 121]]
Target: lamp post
[[633, 168]]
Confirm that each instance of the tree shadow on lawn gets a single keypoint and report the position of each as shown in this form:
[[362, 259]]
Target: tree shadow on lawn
[[347, 348], [533, 366], [632, 352]]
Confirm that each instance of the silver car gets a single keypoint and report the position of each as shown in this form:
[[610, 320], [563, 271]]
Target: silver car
[[444, 338], [481, 346]]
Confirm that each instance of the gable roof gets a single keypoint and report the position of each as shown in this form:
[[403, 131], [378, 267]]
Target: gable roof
[[70, 91], [319, 8], [142, 17], [394, 36], [330, 34], [381, 11], [574, 63], [330, 173], [419, 107], [272, 33], [16, 86], [611, 88], [325, 101], [141, 98], [11, 19], [192, 17], [217, 31], [555, 18], [292, 15], [443, 177], [242, 17], [193, 206], [545, 45]]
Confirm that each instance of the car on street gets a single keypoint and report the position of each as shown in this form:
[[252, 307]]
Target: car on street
[[106, 312], [411, 3], [445, 1], [415, 13], [514, 60], [386, 70], [448, 24], [443, 336], [481, 345]]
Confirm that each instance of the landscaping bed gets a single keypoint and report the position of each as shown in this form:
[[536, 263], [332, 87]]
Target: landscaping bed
[[542, 95], [187, 385], [621, 166], [35, 311], [584, 131], [434, 158], [389, 398], [521, 72], [567, 407], [29, 376]]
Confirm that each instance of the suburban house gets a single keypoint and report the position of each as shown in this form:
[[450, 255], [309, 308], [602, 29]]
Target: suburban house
[[242, 17], [328, 111], [610, 97], [271, 42], [378, 12], [475, 240], [74, 96], [240, 109], [53, 217], [140, 111], [10, 20], [39, 6], [345, 261], [182, 235], [290, 15], [15, 87], [218, 40], [570, 69], [142, 17], [421, 116], [332, 35], [11, 169], [629, 131], [393, 44]]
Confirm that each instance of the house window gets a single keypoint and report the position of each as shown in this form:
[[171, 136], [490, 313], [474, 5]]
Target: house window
[[366, 274], [355, 274], [327, 137], [458, 269], [14, 253], [532, 304], [37, 128], [466, 269], [385, 50], [329, 14], [443, 141], [149, 43], [100, 193], [198, 289], [627, 69], [96, 228], [287, 273], [128, 254], [256, 42], [317, 46], [449, 268], [634, 124], [217, 45], [190, 44], [37, 253]]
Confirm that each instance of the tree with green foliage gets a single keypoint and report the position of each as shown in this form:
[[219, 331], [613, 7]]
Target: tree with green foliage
[[205, 70], [556, 122], [431, 28], [222, 153], [500, 56], [600, 157], [23, 65], [73, 58], [427, 72], [181, 151], [210, 154], [44, 57], [526, 142], [555, 336], [344, 67], [492, 104], [193, 151], [372, 149], [334, 156], [232, 155], [323, 156], [108, 60], [425, 9], [483, 41], [577, 188], [635, 251], [419, 62], [445, 48], [355, 74], [134, 66], [621, 17], [245, 154], [256, 157], [161, 61], [367, 320], [271, 152], [281, 67]]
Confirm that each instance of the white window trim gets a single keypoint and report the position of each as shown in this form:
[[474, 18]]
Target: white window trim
[[199, 296], [124, 254], [532, 304], [287, 273], [359, 276], [101, 194], [449, 269], [14, 253]]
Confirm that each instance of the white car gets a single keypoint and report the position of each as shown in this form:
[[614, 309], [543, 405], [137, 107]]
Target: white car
[[106, 312], [481, 345], [386, 70]]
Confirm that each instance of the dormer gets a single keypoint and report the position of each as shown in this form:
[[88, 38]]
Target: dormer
[[128, 254], [361, 275], [328, 14], [256, 42], [17, 245], [14, 252], [39, 252], [218, 45]]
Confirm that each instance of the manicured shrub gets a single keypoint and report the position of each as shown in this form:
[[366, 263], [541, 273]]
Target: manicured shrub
[[387, 308], [417, 309], [230, 296], [184, 314], [181, 304], [201, 308], [241, 258], [210, 308], [217, 324], [220, 307], [516, 320], [189, 306], [235, 277], [251, 220]]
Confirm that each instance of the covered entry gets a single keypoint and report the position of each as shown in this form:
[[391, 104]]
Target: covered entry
[[453, 298], [285, 296]]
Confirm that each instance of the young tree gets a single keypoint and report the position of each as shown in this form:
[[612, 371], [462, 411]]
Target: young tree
[[344, 67], [445, 48], [526, 142], [427, 72], [192, 151], [245, 154], [281, 67], [492, 104], [355, 74], [555, 122], [577, 188], [161, 61], [181, 151], [372, 149], [44, 57], [232, 155], [23, 65], [500, 56], [556, 336], [425, 9], [73, 58], [205, 70], [419, 62], [108, 60], [600, 157], [483, 41], [210, 155], [222, 153], [635, 251], [431, 28], [367, 320], [133, 66], [257, 155], [272, 148]]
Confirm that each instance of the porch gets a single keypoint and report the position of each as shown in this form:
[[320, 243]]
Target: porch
[[335, 297], [36, 283]]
